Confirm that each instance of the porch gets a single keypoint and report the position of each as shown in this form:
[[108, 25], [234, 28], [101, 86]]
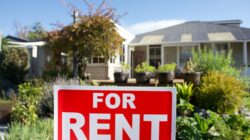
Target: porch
[[180, 53]]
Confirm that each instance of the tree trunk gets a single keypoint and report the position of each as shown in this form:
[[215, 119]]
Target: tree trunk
[[82, 65], [75, 62]]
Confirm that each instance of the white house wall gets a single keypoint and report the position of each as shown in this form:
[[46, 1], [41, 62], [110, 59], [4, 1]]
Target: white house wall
[[41, 61], [98, 71]]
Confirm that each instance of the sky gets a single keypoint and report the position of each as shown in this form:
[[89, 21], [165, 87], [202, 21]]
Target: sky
[[139, 15]]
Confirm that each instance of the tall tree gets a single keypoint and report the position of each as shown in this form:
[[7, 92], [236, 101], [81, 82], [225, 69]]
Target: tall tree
[[93, 34], [36, 33], [33, 33], [21, 31]]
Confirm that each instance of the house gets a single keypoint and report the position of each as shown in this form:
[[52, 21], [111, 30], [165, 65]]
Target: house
[[98, 67], [174, 44], [101, 69], [36, 51]]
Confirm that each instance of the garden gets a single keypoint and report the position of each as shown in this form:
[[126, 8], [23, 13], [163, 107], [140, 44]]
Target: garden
[[214, 107], [213, 102]]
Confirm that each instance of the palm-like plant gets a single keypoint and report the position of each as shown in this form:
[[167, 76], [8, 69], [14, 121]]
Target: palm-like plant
[[185, 91]]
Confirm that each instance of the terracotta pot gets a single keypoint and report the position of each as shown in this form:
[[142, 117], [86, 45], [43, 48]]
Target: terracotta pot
[[121, 77], [166, 77]]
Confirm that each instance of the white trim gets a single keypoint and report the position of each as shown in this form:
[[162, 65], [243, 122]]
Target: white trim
[[75, 87], [97, 65], [129, 55], [147, 51], [180, 43], [56, 89], [174, 101], [67, 87], [178, 56], [162, 55], [38, 43]]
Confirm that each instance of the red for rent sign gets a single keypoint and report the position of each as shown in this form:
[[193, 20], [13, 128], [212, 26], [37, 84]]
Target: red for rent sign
[[114, 113]]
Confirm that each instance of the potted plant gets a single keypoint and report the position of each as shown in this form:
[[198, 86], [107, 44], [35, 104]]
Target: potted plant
[[190, 75], [5, 111], [121, 75], [143, 73], [166, 73]]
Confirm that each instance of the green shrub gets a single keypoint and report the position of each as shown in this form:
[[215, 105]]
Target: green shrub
[[210, 125], [185, 91], [190, 66], [39, 130], [53, 70], [203, 124], [125, 66], [186, 129], [25, 108], [207, 60], [14, 64], [46, 104], [219, 128], [167, 67], [237, 122], [144, 67], [220, 93], [184, 108]]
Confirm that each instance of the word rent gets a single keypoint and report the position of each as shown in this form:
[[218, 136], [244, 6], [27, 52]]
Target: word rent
[[75, 122]]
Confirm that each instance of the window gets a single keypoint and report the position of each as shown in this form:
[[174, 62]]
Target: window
[[221, 48], [112, 59], [155, 56], [98, 60], [122, 56], [185, 54]]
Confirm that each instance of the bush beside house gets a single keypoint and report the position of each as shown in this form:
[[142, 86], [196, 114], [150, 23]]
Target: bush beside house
[[14, 64]]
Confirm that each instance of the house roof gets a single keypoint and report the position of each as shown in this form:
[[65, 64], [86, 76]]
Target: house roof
[[13, 38], [195, 31]]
